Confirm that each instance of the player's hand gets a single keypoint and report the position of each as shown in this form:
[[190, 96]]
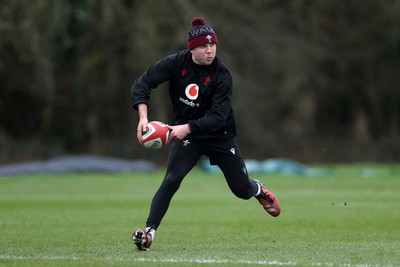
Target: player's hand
[[178, 132], [142, 125]]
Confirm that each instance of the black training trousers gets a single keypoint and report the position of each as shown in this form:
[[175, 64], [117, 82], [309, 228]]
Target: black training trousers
[[184, 155]]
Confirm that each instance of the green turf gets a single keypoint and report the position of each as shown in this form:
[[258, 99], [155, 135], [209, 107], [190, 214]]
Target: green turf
[[351, 218]]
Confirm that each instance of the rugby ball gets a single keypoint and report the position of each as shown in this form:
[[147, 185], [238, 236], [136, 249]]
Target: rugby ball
[[156, 135]]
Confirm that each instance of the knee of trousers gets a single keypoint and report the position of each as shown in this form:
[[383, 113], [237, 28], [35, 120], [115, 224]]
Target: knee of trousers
[[172, 181]]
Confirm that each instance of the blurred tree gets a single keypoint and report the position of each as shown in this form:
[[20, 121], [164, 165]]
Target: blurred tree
[[314, 80]]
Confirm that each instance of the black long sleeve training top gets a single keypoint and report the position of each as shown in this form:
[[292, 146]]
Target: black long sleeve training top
[[200, 95]]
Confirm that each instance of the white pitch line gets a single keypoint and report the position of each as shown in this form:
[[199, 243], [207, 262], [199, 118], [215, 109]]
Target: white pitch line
[[211, 261], [199, 261]]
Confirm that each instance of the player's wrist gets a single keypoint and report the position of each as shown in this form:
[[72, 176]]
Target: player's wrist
[[189, 128]]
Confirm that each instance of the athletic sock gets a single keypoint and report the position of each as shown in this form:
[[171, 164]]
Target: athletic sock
[[151, 231], [258, 190]]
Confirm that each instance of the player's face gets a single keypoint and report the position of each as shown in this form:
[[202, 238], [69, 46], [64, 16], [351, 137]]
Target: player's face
[[204, 54]]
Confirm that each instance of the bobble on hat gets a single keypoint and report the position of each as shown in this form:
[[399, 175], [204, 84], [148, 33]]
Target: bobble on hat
[[200, 33], [198, 21]]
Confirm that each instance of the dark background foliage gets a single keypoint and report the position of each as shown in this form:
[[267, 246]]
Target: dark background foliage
[[315, 81]]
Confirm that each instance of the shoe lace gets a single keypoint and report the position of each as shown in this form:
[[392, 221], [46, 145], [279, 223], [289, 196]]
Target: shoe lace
[[265, 197]]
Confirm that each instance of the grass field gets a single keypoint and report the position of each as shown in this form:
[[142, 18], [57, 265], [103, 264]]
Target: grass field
[[347, 219]]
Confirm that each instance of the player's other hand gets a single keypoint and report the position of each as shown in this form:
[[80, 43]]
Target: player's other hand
[[178, 132]]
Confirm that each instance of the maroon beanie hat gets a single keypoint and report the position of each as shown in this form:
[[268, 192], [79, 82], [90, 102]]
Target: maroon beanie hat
[[200, 33]]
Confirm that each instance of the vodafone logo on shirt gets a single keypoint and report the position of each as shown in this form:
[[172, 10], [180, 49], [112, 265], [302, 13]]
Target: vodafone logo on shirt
[[192, 91]]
